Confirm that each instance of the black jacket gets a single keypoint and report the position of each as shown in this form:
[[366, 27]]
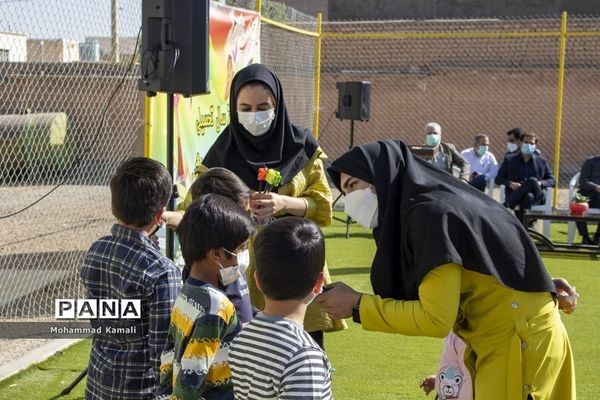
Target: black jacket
[[513, 170], [589, 180]]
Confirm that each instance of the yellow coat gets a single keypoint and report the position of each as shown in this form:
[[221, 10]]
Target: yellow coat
[[310, 185], [517, 345]]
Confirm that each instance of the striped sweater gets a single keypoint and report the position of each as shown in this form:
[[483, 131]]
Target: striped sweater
[[194, 361], [274, 357]]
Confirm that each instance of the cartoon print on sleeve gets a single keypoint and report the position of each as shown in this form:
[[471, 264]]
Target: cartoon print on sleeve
[[448, 384]]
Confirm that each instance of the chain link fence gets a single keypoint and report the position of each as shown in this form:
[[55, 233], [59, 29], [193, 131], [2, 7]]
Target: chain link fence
[[60, 137], [57, 139], [471, 76]]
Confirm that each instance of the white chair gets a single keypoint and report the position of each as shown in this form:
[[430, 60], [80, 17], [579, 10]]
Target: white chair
[[573, 183], [547, 206]]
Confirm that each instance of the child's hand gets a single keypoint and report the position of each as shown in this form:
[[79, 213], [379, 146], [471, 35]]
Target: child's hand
[[428, 384]]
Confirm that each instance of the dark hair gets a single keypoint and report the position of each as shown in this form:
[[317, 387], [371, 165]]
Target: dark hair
[[516, 132], [531, 135], [290, 254], [221, 181], [257, 83], [139, 189], [210, 222], [479, 137]]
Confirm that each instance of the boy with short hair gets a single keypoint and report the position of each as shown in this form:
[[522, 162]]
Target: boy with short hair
[[274, 357], [213, 233], [129, 265]]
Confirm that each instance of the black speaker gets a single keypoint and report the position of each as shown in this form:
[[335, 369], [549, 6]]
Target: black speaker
[[354, 100], [175, 46]]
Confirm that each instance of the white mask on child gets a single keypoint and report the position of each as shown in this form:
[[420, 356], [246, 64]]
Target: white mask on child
[[243, 259], [229, 274]]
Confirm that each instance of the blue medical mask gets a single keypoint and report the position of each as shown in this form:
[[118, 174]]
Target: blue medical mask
[[432, 140], [527, 148], [481, 150]]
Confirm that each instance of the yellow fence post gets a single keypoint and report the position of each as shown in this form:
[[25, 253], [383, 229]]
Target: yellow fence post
[[559, 102], [259, 6], [147, 125], [317, 77]]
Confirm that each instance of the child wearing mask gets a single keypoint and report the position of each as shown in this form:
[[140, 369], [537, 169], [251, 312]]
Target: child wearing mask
[[213, 233], [224, 182]]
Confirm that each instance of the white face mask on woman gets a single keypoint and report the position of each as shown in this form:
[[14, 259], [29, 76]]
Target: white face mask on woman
[[257, 123], [361, 205]]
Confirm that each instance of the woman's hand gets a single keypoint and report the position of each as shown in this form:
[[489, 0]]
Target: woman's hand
[[172, 219], [264, 205], [338, 300], [566, 295]]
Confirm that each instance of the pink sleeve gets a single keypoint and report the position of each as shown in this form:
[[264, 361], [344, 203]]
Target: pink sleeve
[[453, 380]]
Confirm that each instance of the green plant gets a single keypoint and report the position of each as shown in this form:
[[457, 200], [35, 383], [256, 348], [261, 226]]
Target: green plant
[[579, 198]]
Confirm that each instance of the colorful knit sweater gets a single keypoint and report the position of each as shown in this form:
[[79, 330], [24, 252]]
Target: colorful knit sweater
[[194, 363]]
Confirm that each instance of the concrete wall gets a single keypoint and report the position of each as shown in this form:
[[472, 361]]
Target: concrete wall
[[310, 7], [16, 44], [433, 9], [52, 50]]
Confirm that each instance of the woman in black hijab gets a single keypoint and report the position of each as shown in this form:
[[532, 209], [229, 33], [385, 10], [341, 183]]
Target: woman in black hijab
[[449, 257], [260, 134]]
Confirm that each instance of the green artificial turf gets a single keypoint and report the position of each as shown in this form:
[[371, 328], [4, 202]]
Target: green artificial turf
[[368, 365]]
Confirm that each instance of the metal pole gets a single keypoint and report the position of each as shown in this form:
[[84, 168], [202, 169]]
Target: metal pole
[[114, 31], [317, 76], [349, 220], [170, 148], [559, 103], [148, 106]]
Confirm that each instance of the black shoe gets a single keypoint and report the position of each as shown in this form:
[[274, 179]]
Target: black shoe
[[586, 240], [596, 239]]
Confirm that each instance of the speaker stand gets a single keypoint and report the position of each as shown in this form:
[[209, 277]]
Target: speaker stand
[[170, 242], [348, 220]]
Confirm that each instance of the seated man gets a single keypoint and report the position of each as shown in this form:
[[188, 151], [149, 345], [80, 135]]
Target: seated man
[[512, 141], [483, 163], [589, 185], [445, 155], [525, 176]]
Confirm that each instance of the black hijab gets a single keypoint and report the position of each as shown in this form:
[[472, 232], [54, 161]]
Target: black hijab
[[428, 218], [284, 147]]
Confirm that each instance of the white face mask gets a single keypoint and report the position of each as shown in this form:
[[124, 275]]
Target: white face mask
[[511, 147], [229, 274], [233, 273], [243, 259], [257, 123], [361, 205]]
